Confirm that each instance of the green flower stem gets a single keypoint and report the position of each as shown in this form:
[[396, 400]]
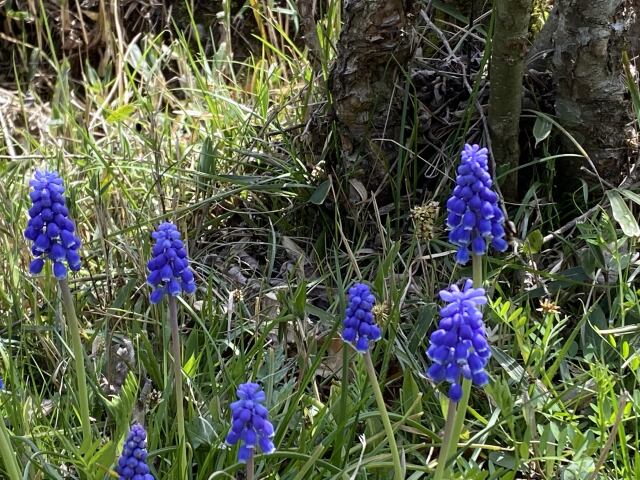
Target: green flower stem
[[452, 429], [373, 379], [477, 271], [250, 469], [459, 417], [8, 454], [177, 373], [78, 357], [446, 441], [456, 413]]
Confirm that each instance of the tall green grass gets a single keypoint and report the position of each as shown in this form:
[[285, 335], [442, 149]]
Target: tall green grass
[[214, 144]]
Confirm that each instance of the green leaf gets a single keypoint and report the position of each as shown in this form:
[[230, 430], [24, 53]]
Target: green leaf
[[300, 300], [191, 366], [409, 392], [121, 406], [578, 469], [533, 242], [623, 215], [541, 129], [19, 15], [634, 197], [200, 432], [309, 464], [320, 195], [207, 160], [503, 459], [148, 358], [104, 457], [121, 113]]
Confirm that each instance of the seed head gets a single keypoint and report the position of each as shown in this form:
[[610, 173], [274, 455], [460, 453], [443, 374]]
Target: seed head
[[548, 307], [424, 217]]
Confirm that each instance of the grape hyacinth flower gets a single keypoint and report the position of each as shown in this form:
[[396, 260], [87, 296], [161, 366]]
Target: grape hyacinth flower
[[475, 218], [169, 270], [50, 228], [132, 464], [53, 235], [359, 325], [459, 347], [359, 330], [250, 423]]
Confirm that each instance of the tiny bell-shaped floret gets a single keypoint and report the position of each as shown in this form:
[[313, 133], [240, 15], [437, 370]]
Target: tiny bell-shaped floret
[[132, 464], [459, 347], [359, 324], [50, 228], [169, 271], [250, 423], [474, 218]]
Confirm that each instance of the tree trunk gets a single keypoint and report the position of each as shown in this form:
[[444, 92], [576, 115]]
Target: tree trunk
[[373, 52], [591, 98], [505, 102]]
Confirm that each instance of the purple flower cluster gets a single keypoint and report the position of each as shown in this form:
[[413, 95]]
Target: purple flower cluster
[[169, 271], [50, 228], [132, 464], [475, 218], [359, 325], [459, 348], [250, 423]]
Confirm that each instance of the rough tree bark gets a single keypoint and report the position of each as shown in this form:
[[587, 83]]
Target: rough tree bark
[[505, 101], [591, 101], [373, 50]]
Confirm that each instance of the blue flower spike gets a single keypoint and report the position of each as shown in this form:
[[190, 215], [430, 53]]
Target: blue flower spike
[[169, 271], [132, 464], [359, 324], [459, 347], [474, 218], [250, 423], [50, 228]]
